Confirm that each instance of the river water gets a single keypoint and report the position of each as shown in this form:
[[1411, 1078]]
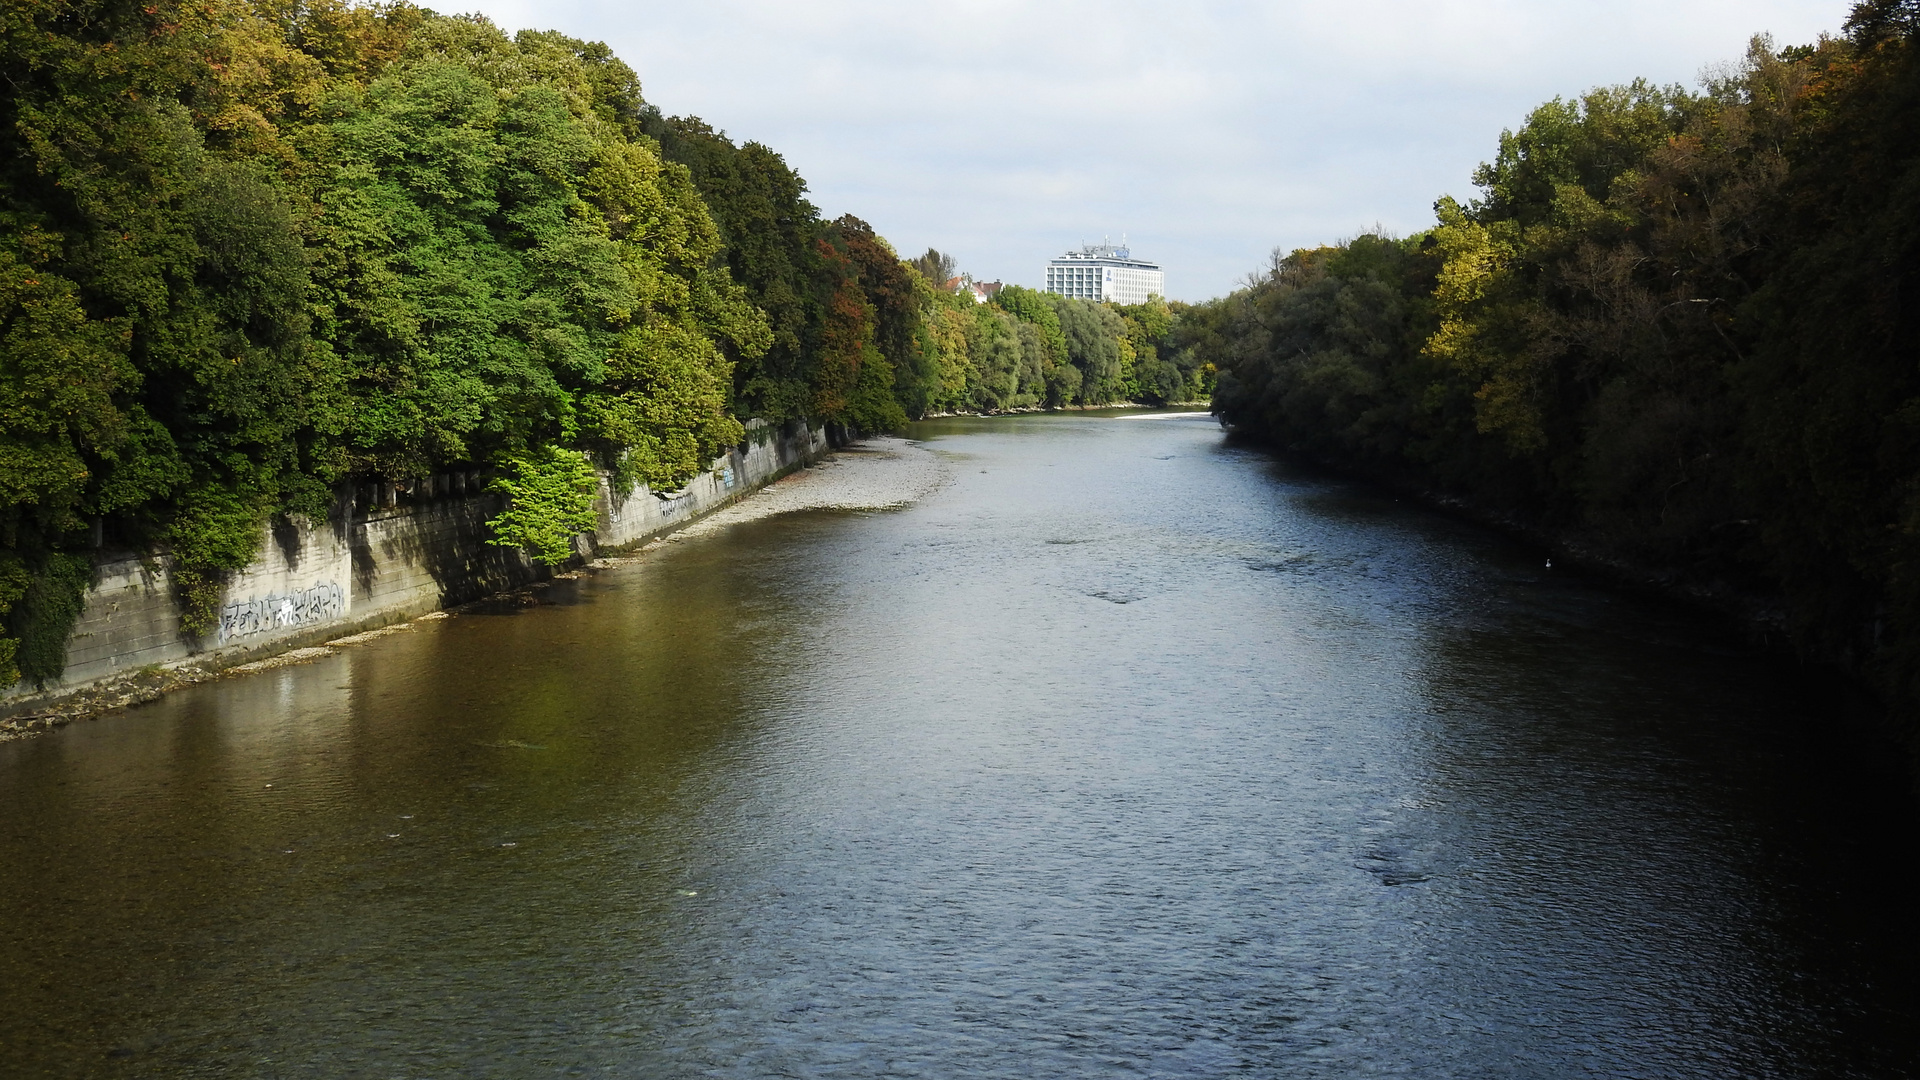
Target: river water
[[1130, 752]]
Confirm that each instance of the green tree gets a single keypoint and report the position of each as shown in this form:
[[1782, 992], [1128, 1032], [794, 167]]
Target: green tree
[[767, 229], [1094, 336], [936, 267], [549, 502]]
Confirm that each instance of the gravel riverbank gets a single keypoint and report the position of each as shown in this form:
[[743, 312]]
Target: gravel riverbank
[[883, 473]]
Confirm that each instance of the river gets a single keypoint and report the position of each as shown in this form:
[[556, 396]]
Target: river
[[1129, 752]]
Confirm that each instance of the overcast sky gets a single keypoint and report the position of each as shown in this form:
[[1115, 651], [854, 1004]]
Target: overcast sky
[[1208, 133]]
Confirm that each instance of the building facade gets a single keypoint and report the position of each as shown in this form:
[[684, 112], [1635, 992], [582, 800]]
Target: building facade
[[980, 291], [1105, 274]]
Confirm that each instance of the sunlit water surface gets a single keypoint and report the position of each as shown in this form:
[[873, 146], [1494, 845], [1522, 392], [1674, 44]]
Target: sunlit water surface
[[1130, 753]]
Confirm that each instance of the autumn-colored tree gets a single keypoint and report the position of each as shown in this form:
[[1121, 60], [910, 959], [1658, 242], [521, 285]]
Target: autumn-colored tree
[[1676, 326]]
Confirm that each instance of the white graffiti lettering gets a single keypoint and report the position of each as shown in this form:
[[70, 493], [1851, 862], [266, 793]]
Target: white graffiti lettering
[[324, 602]]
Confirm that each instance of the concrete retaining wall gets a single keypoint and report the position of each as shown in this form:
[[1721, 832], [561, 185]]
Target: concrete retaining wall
[[385, 555]]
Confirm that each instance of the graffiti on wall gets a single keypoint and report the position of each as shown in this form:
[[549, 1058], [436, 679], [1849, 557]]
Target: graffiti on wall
[[324, 602]]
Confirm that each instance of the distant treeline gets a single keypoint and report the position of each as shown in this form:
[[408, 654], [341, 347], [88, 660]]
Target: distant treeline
[[253, 249], [1029, 349], [1681, 328], [836, 294]]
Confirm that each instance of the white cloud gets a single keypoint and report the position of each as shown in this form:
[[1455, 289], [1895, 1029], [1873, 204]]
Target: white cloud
[[1208, 132]]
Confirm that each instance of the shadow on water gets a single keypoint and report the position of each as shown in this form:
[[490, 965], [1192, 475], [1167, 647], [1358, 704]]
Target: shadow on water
[[1623, 759]]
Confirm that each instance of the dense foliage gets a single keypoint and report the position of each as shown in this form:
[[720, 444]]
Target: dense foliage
[[248, 251], [251, 250], [861, 335], [1027, 349], [1683, 328]]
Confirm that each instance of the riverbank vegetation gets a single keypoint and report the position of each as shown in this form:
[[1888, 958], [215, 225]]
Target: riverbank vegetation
[[253, 250], [1029, 349], [1680, 329]]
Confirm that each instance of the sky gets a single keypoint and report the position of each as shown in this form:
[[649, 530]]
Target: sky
[[1206, 133]]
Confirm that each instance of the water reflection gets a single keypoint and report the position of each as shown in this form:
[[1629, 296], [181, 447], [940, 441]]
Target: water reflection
[[1132, 752]]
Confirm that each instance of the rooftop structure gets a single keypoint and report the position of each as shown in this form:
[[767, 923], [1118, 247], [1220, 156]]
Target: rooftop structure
[[1105, 273], [981, 291]]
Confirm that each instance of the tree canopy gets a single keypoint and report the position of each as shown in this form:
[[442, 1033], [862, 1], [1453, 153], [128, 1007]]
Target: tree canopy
[[1676, 325], [251, 251]]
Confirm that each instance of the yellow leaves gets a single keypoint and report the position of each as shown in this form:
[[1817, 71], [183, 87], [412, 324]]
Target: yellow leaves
[[669, 244], [946, 327], [665, 400], [1484, 331], [1454, 341], [1473, 259], [1473, 256], [255, 77]]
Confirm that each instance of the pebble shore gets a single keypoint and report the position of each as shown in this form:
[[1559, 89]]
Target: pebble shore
[[882, 473]]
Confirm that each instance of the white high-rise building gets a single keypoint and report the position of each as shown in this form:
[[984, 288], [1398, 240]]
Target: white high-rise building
[[1105, 273]]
